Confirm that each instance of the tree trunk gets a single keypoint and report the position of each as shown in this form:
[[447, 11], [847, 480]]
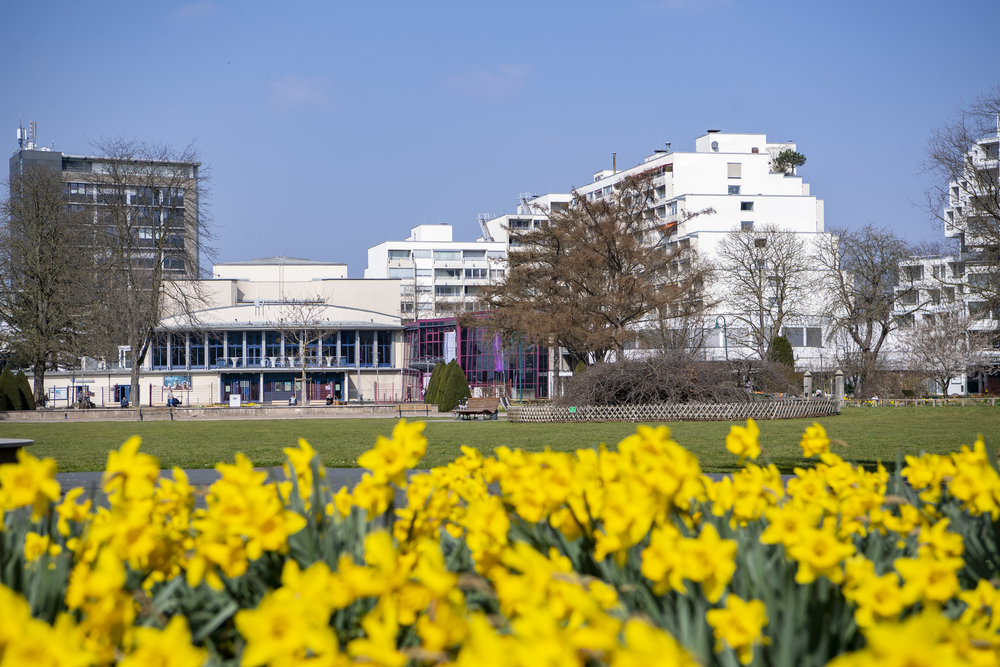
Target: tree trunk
[[39, 376]]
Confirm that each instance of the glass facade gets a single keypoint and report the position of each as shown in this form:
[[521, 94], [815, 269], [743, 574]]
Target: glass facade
[[496, 365]]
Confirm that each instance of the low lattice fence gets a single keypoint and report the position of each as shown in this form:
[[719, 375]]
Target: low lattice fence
[[786, 409]]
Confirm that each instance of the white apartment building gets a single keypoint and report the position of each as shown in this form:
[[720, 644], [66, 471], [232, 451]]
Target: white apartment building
[[438, 276], [733, 174]]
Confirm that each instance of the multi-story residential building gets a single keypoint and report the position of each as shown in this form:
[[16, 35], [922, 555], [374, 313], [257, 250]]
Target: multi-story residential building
[[734, 175], [162, 198], [246, 341], [438, 276]]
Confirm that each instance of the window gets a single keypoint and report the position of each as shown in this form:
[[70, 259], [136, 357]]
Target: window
[[957, 269], [760, 243], [992, 151], [447, 290], [934, 296], [399, 254], [746, 226], [661, 192], [672, 208], [476, 273], [366, 347], [178, 350], [928, 318], [173, 263], [905, 321], [216, 349], [474, 254], [913, 273], [347, 346], [452, 274], [979, 310], [520, 224], [734, 189], [330, 345], [746, 205], [447, 255], [423, 254], [235, 344], [291, 347], [794, 336], [497, 273], [909, 297], [254, 346], [949, 294], [495, 254], [405, 274], [272, 344], [384, 348], [734, 169], [425, 273], [472, 289], [937, 271], [814, 337], [160, 352]]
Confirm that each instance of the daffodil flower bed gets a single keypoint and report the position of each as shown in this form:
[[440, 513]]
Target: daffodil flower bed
[[624, 558]]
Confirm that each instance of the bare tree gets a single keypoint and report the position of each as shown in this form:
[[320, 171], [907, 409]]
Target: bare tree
[[150, 232], [963, 157], [767, 281], [45, 278], [943, 346], [860, 273], [305, 324], [592, 275]]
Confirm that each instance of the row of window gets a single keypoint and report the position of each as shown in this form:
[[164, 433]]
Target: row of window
[[448, 274], [911, 297], [445, 255], [262, 348], [136, 197]]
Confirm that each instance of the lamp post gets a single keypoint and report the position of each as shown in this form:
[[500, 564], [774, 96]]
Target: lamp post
[[725, 335]]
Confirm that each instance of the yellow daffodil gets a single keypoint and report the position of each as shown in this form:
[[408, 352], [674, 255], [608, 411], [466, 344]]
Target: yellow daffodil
[[739, 626], [814, 441], [744, 441]]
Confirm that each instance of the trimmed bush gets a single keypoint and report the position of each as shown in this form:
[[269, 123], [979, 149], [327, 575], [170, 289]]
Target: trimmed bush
[[781, 351], [27, 398], [580, 368], [454, 387], [10, 397], [430, 397]]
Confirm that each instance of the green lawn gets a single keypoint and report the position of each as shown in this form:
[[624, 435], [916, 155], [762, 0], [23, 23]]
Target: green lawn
[[871, 434]]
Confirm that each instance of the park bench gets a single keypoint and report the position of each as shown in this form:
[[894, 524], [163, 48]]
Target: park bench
[[487, 408], [9, 447], [413, 409]]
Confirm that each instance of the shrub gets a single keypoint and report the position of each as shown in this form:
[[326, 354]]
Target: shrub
[[674, 377], [580, 368], [9, 394], [24, 390], [454, 387], [430, 396], [781, 352]]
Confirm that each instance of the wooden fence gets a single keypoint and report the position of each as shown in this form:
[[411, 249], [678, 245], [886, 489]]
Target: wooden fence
[[781, 409], [913, 402]]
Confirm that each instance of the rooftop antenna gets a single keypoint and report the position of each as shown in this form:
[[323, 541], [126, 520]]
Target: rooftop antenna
[[614, 162], [32, 133]]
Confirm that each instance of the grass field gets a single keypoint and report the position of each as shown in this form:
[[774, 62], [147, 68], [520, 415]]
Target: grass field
[[871, 434]]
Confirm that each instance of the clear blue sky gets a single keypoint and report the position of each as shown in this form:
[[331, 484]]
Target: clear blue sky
[[331, 127]]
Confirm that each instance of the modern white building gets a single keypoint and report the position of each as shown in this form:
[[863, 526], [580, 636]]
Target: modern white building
[[244, 339], [733, 174], [438, 276]]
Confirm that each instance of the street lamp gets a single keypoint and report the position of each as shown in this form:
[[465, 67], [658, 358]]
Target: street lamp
[[725, 335]]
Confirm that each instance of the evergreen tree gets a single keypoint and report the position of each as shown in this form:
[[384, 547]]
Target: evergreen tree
[[430, 396], [781, 351], [8, 391], [27, 398], [454, 387], [580, 368]]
